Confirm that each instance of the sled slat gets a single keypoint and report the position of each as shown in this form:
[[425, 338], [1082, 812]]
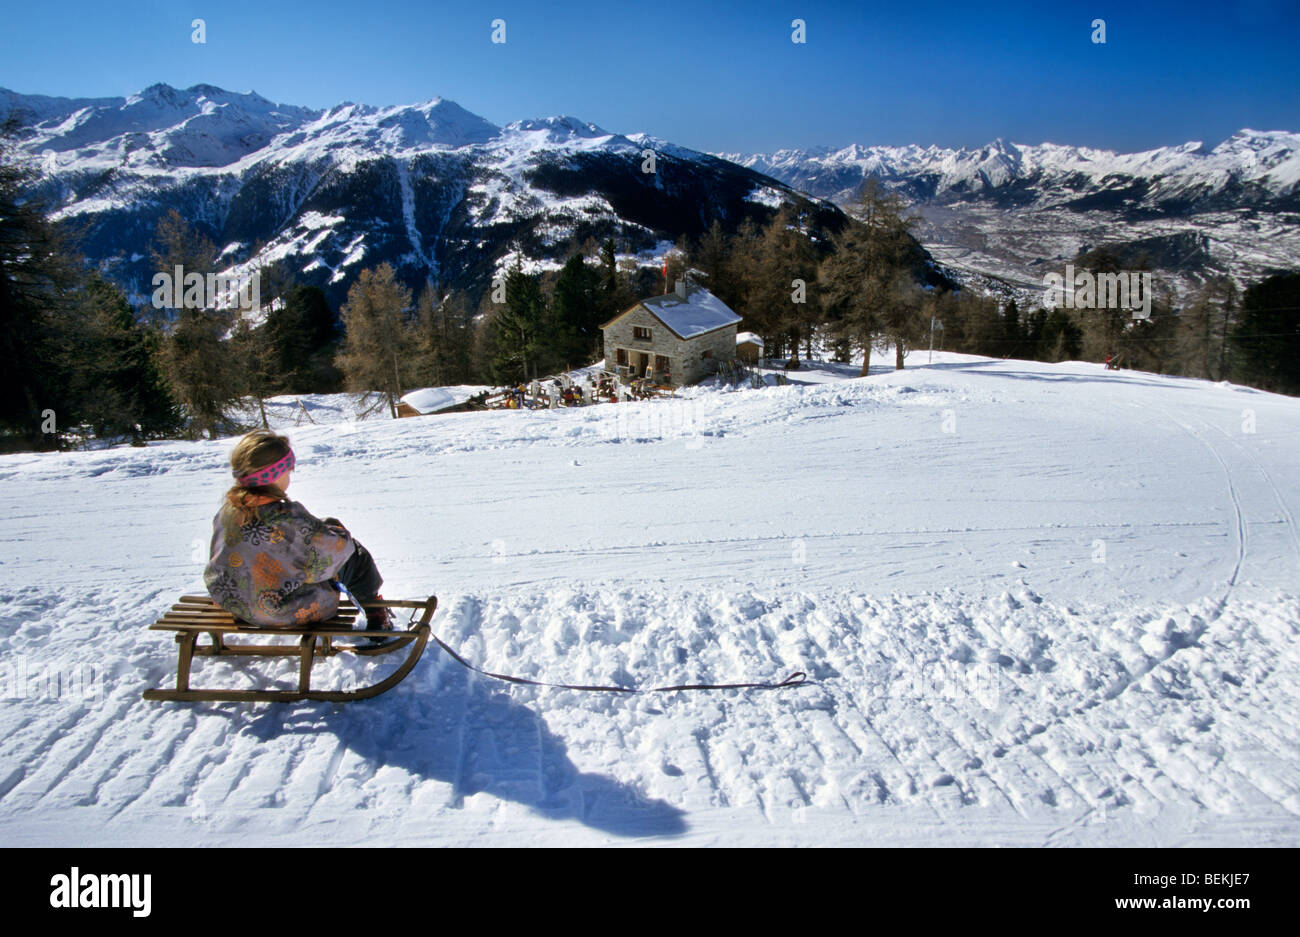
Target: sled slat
[[221, 614], [205, 601], [183, 615], [248, 650], [226, 616], [181, 623], [209, 608], [217, 612]]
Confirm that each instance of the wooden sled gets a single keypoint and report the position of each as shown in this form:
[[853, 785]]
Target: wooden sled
[[197, 614]]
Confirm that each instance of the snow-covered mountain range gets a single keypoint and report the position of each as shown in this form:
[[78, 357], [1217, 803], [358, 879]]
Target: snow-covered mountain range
[[1251, 168], [445, 195], [440, 193], [1006, 213]]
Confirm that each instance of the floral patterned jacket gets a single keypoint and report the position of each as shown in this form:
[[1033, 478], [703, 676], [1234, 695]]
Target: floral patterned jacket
[[276, 570]]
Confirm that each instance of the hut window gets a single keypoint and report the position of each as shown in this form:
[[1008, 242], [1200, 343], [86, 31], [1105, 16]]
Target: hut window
[[640, 331]]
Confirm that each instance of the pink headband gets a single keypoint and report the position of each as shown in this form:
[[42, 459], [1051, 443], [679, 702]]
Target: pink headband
[[264, 476]]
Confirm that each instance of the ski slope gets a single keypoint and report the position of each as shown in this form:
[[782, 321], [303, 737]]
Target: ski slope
[[1038, 605]]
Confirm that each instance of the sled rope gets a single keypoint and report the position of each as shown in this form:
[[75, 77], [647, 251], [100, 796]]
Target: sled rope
[[795, 679]]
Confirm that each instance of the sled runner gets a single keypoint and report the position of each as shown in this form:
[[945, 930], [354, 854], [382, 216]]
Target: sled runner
[[194, 615]]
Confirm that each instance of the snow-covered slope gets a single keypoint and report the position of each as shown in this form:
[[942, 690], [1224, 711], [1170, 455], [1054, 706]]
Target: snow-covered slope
[[1039, 604]]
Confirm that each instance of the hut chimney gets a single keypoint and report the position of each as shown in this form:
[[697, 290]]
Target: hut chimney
[[681, 289]]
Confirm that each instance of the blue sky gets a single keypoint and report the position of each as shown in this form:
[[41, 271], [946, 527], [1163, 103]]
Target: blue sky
[[713, 76]]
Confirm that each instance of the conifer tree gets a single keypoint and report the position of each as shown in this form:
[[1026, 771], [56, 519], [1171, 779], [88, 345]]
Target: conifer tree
[[300, 330], [860, 278], [177, 243], [259, 374], [205, 377], [903, 320], [1061, 339], [608, 267], [112, 369], [1266, 339], [1203, 330], [575, 313], [1105, 330], [443, 338], [744, 269], [676, 263], [484, 341], [518, 328], [616, 293], [782, 303], [38, 274], [459, 325], [1034, 323], [1012, 332], [985, 326], [378, 344], [200, 364], [1151, 341], [710, 255]]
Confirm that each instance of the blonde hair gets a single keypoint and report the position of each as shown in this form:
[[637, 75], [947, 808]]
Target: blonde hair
[[254, 451]]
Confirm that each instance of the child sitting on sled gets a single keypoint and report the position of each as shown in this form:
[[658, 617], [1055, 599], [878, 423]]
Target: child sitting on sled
[[272, 562]]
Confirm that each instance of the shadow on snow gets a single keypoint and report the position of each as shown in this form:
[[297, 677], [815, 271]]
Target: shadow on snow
[[469, 733]]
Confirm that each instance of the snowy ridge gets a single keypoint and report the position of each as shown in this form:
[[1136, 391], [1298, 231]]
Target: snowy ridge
[[1269, 159], [351, 132], [555, 130], [157, 129], [163, 129]]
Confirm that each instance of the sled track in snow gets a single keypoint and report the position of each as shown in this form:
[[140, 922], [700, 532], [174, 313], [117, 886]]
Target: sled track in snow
[[1240, 523], [1287, 516], [1001, 750]]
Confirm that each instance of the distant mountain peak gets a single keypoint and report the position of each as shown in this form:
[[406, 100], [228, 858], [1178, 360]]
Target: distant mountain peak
[[557, 129], [159, 93]]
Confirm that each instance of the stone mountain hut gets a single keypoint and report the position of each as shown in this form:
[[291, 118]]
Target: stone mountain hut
[[674, 339]]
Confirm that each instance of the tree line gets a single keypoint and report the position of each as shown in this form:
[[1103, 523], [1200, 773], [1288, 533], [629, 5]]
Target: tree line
[[871, 288], [78, 358]]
